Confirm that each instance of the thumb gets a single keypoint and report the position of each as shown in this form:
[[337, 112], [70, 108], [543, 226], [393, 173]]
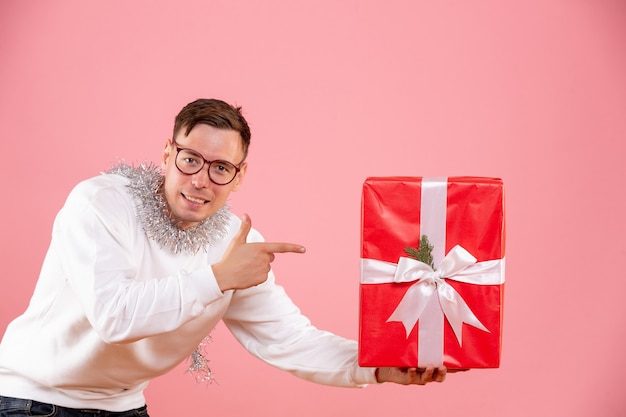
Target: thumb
[[244, 229]]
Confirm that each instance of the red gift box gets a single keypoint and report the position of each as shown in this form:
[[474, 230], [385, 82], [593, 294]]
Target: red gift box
[[450, 313]]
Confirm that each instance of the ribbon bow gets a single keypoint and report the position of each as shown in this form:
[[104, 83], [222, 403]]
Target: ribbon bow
[[458, 265]]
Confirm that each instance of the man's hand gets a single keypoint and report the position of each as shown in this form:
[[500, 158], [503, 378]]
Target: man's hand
[[408, 376], [244, 264]]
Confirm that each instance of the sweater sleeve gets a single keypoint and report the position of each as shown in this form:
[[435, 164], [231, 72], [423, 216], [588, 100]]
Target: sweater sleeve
[[271, 327], [95, 237]]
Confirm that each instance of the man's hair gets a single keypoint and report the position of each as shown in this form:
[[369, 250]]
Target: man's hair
[[216, 113]]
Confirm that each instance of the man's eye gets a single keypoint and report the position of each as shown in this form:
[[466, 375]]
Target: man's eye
[[190, 158], [222, 168], [191, 161]]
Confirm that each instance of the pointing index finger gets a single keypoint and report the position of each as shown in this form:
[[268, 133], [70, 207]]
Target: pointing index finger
[[283, 247]]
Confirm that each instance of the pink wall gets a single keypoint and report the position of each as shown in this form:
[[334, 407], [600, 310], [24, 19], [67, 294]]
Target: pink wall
[[335, 91]]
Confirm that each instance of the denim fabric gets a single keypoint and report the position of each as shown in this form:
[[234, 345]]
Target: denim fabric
[[17, 407]]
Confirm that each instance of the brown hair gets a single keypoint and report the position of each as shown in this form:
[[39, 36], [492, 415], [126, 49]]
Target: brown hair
[[216, 113]]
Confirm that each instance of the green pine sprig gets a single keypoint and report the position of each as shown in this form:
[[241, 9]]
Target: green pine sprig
[[423, 252]]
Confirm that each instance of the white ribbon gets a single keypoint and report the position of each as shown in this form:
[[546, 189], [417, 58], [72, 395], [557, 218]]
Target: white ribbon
[[458, 265]]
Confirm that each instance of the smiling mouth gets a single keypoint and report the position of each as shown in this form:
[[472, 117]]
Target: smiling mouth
[[195, 200]]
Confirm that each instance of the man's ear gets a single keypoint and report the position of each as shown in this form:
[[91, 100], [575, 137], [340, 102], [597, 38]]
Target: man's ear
[[166, 153], [240, 176]]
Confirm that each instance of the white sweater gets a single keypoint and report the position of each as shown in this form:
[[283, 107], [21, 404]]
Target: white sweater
[[112, 310]]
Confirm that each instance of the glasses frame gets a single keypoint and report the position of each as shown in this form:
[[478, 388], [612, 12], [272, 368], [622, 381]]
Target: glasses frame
[[205, 162]]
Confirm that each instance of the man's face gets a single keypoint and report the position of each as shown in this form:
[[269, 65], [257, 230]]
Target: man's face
[[193, 198]]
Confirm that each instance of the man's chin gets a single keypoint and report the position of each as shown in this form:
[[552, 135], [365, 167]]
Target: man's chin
[[187, 222]]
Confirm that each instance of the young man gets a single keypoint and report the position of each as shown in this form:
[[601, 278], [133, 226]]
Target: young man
[[142, 265]]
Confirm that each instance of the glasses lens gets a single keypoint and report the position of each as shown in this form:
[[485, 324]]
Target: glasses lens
[[222, 172], [188, 161]]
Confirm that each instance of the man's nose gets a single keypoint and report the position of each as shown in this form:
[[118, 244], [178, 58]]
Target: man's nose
[[201, 178]]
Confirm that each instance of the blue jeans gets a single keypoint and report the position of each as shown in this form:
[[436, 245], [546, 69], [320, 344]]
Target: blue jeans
[[17, 407]]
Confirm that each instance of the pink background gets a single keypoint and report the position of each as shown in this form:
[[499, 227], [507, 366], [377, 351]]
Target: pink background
[[531, 91]]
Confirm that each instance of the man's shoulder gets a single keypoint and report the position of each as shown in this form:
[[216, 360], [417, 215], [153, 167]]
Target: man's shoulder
[[105, 188]]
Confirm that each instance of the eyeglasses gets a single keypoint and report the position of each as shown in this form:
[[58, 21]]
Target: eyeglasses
[[190, 162]]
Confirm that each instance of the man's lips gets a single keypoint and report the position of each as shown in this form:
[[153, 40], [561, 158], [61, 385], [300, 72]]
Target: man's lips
[[195, 200]]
